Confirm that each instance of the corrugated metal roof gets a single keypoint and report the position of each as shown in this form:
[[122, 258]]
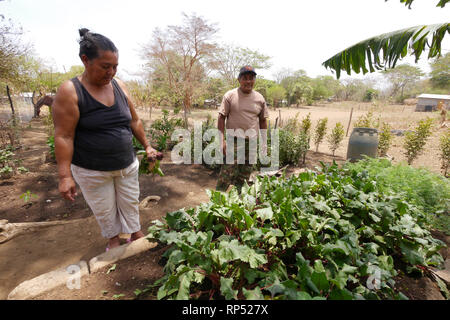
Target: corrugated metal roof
[[435, 96]]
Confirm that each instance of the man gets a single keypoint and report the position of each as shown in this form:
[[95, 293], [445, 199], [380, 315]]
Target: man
[[245, 109]]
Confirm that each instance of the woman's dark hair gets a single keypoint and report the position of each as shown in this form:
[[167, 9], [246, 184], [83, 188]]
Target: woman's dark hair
[[90, 43]]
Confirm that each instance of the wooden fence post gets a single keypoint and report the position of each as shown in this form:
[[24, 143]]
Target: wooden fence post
[[349, 121]]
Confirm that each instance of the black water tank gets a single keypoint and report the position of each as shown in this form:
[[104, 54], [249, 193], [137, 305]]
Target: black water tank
[[363, 141]]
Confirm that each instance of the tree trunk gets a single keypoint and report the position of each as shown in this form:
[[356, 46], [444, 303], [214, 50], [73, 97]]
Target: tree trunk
[[10, 102], [13, 115], [186, 106]]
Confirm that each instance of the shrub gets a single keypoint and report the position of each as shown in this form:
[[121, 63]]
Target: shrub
[[444, 147], [320, 132], [370, 95], [428, 191], [306, 124], [292, 147], [367, 121], [416, 140], [292, 124], [161, 130], [384, 139], [336, 136]]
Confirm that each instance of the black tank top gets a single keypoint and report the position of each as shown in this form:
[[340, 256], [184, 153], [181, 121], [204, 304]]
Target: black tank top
[[103, 136]]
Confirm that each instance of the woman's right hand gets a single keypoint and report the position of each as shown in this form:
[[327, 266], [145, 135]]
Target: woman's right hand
[[67, 188]]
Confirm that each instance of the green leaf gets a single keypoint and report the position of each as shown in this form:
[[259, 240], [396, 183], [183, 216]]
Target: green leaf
[[265, 213], [412, 253], [226, 288], [339, 247], [276, 287], [320, 280], [185, 283], [394, 46], [302, 295], [341, 294], [254, 294], [111, 269]]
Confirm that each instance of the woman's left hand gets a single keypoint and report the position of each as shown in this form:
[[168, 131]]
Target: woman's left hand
[[151, 154]]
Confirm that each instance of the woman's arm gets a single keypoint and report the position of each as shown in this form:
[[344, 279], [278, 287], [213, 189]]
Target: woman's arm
[[136, 125], [65, 118]]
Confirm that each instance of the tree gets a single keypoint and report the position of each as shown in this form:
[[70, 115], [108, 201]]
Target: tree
[[229, 59], [12, 51], [394, 46], [415, 140], [263, 85], [324, 87], [403, 77], [276, 94], [320, 132], [440, 72], [302, 93], [335, 137], [180, 51]]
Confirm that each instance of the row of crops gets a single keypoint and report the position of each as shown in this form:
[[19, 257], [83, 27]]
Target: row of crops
[[333, 233]]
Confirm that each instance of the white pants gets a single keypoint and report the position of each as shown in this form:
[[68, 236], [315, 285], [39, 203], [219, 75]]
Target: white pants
[[113, 197]]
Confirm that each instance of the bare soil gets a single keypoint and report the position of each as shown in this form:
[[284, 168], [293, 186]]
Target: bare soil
[[31, 254]]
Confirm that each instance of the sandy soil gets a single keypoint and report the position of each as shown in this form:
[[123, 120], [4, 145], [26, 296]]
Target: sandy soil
[[32, 254]]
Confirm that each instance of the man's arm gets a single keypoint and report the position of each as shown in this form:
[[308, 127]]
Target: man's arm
[[65, 118], [221, 128]]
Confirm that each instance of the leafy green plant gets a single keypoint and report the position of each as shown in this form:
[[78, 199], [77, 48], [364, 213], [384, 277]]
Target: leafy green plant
[[320, 132], [292, 124], [27, 196], [428, 191], [7, 163], [370, 95], [51, 145], [146, 167], [306, 124], [293, 147], [316, 235], [444, 147], [336, 136], [367, 121], [161, 130], [415, 140], [22, 169], [384, 139]]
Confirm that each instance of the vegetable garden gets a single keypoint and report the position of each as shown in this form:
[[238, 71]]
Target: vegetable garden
[[331, 234]]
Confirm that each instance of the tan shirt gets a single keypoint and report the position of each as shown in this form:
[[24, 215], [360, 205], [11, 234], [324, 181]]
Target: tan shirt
[[243, 111]]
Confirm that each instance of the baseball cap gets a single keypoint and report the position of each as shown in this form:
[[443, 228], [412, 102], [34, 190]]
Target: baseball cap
[[246, 69]]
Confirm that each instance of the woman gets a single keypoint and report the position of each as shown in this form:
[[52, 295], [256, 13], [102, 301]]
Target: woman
[[95, 121]]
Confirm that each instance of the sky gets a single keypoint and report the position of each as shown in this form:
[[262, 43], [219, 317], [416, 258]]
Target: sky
[[295, 34]]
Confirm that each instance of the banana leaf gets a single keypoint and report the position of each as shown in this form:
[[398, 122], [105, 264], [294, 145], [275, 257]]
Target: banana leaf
[[408, 3], [383, 51]]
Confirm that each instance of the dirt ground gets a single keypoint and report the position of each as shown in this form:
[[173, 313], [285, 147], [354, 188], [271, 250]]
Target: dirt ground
[[31, 254]]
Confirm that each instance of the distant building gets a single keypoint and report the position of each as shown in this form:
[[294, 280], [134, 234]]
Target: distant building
[[428, 102]]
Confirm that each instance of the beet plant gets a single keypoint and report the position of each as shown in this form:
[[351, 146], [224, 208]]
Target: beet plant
[[330, 234]]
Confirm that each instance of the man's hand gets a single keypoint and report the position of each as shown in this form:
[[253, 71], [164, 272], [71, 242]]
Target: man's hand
[[67, 188]]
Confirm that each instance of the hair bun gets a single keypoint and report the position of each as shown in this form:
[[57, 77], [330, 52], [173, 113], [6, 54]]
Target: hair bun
[[83, 31]]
